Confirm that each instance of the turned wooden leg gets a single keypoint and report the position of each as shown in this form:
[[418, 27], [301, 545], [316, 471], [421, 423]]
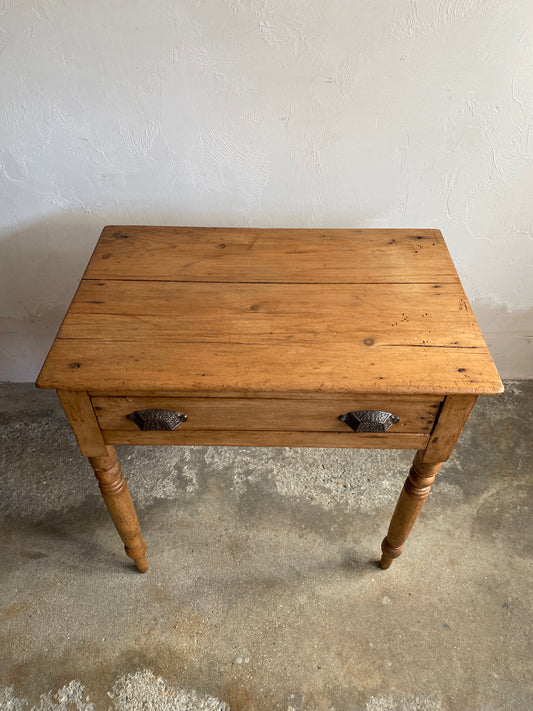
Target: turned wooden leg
[[117, 498], [415, 491]]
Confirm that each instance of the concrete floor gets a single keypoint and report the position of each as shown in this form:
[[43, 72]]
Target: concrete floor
[[263, 592]]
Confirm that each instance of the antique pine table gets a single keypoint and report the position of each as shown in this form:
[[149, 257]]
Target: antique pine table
[[269, 337]]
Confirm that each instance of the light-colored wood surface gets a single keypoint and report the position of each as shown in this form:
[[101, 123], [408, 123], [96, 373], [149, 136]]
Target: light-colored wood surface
[[79, 410], [271, 255], [452, 418], [116, 366], [269, 438], [263, 338], [262, 395], [418, 315], [117, 498], [416, 416], [367, 311], [412, 497]]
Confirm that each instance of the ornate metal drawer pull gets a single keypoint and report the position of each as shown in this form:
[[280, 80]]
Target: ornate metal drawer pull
[[157, 419], [369, 420]]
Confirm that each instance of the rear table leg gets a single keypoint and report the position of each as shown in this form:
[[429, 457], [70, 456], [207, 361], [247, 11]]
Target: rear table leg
[[412, 498], [117, 498]]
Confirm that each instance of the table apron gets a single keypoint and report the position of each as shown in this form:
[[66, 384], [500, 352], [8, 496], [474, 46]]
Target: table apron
[[269, 421], [269, 438]]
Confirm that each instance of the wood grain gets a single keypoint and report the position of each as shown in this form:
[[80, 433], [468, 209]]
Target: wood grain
[[118, 500], [80, 414], [416, 416], [271, 255], [268, 438], [412, 498], [367, 311], [116, 366], [451, 420], [256, 395], [388, 314], [264, 337]]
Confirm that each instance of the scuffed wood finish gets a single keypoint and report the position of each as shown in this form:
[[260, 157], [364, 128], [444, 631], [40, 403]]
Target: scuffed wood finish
[[117, 498], [332, 368], [283, 311], [269, 438], [421, 315], [271, 255], [452, 418], [410, 503], [263, 338], [416, 416], [449, 424], [80, 414]]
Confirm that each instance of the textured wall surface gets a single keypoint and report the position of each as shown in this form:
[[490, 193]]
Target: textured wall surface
[[402, 113]]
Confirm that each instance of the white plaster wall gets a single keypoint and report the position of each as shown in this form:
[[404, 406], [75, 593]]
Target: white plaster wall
[[403, 113]]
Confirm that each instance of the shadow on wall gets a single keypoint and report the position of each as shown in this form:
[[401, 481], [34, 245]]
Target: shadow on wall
[[509, 336], [40, 267]]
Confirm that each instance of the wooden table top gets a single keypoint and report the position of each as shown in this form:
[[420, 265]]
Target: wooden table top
[[249, 312]]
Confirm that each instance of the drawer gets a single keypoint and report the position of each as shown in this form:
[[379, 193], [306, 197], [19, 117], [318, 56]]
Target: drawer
[[268, 421]]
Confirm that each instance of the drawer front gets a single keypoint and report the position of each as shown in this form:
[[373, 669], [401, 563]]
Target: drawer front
[[256, 421]]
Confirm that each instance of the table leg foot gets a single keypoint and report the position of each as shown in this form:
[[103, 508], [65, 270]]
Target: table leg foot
[[388, 554], [117, 498], [414, 493]]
